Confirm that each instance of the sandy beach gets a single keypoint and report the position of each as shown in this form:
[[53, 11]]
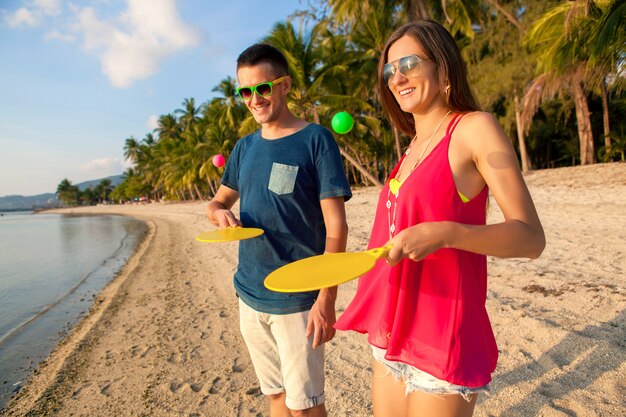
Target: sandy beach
[[162, 339]]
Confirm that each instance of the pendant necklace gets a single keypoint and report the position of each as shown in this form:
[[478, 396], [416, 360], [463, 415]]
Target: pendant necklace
[[394, 184]]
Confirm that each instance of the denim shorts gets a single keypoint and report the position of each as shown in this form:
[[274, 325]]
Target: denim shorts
[[283, 357], [417, 380]]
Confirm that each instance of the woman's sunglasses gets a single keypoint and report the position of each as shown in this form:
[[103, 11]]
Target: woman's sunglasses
[[409, 66], [263, 89]]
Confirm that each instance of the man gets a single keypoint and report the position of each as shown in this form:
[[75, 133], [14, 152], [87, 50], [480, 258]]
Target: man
[[291, 182]]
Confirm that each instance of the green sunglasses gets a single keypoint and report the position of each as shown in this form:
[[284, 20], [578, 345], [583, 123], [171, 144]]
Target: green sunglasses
[[264, 89], [409, 66]]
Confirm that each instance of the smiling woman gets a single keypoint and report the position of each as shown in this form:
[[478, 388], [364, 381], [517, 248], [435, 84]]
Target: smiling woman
[[424, 310]]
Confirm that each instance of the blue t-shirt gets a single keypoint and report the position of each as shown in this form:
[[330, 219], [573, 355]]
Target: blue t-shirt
[[280, 184]]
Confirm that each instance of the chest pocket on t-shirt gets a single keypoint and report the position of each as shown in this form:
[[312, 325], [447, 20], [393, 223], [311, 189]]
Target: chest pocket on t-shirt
[[282, 178]]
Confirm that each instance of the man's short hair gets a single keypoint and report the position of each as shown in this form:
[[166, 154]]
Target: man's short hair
[[263, 53]]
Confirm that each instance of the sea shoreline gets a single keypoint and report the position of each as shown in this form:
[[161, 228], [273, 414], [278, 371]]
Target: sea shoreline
[[162, 338], [71, 308]]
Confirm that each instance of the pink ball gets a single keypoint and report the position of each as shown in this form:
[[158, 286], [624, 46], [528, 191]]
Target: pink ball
[[218, 160]]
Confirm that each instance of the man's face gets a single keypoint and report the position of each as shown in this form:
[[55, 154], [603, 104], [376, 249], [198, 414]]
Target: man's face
[[264, 109]]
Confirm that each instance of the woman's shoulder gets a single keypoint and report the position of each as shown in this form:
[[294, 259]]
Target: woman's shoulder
[[481, 130], [478, 124], [477, 119]]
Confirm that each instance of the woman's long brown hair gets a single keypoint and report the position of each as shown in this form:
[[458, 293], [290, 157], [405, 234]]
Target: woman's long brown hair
[[439, 46]]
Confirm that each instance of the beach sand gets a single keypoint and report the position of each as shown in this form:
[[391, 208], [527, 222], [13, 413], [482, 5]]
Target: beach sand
[[162, 339]]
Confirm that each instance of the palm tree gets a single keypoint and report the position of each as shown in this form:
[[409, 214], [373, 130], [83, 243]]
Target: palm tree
[[563, 56], [500, 70], [68, 193], [103, 190], [458, 16], [308, 70], [228, 109], [189, 113], [607, 51], [168, 127], [131, 149]]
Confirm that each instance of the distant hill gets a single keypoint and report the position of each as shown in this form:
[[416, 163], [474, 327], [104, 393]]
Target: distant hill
[[115, 180], [20, 202]]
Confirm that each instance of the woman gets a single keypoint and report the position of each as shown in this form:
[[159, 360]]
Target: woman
[[424, 310]]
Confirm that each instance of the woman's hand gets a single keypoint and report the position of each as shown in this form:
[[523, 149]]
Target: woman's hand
[[418, 241]]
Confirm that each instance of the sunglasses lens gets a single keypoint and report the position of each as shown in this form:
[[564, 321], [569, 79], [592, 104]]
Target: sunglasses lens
[[409, 66], [388, 71], [264, 90], [245, 93]]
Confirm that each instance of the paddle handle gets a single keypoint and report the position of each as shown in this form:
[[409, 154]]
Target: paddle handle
[[380, 252]]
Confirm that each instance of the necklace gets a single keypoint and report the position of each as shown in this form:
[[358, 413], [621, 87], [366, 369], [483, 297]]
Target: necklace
[[394, 184]]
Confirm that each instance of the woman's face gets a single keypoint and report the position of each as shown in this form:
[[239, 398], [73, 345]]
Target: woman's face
[[419, 93]]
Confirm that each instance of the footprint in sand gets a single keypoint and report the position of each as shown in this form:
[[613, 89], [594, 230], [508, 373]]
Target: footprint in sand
[[76, 393], [216, 385], [175, 386], [108, 386], [237, 367], [195, 353]]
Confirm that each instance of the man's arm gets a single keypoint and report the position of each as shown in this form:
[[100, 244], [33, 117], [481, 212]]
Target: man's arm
[[322, 317], [218, 209]]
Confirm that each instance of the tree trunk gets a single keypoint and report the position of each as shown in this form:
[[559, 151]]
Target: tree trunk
[[350, 159], [353, 173], [583, 120], [316, 116], [508, 16], [198, 192], [210, 182], [605, 118], [398, 145], [526, 163], [360, 168]]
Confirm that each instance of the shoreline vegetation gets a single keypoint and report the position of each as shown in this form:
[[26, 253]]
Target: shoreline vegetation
[[551, 73], [162, 338]]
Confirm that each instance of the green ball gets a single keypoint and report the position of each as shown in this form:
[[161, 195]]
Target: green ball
[[342, 122]]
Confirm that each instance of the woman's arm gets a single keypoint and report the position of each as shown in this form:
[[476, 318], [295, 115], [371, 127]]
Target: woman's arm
[[484, 154]]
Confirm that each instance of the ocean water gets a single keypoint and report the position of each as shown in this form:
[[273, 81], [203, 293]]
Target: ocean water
[[51, 268]]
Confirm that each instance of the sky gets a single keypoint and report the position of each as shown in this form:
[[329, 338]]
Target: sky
[[77, 78]]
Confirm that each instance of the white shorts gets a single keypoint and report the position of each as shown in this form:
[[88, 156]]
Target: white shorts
[[417, 380], [283, 358]]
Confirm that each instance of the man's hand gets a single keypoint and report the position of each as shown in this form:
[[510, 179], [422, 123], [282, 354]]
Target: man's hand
[[322, 317], [223, 218], [218, 210]]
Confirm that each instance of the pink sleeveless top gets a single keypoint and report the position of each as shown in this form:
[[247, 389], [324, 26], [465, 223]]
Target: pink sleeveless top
[[429, 314]]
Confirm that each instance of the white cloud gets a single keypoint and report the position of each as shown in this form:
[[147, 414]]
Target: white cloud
[[132, 47], [33, 13], [56, 35], [22, 16], [48, 7], [153, 122], [103, 166]]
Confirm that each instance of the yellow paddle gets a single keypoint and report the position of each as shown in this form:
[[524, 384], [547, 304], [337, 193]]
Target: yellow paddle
[[323, 271], [229, 234]]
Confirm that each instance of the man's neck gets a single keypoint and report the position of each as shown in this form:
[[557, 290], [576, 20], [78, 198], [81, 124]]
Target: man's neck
[[282, 127]]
